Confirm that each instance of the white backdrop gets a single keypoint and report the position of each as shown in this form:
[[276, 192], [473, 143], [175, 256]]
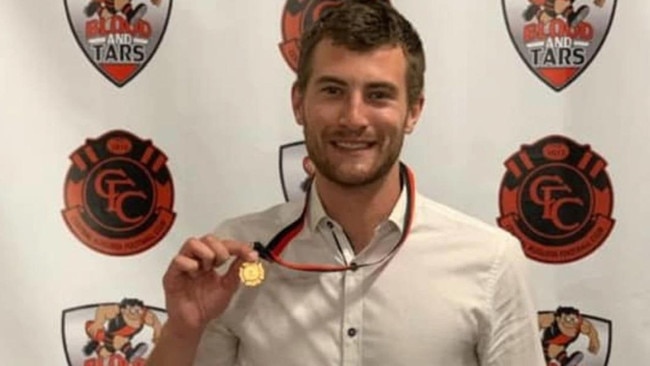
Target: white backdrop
[[214, 98]]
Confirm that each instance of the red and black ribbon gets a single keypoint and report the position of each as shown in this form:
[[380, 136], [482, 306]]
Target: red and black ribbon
[[272, 251]]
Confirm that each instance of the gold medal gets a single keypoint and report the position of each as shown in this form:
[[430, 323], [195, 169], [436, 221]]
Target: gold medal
[[251, 274]]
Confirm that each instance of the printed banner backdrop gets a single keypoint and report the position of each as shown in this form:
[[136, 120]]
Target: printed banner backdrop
[[130, 125]]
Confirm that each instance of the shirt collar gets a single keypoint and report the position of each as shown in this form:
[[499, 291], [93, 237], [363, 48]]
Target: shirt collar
[[316, 212]]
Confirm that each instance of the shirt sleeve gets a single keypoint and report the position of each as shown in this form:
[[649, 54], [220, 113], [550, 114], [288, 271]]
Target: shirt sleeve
[[512, 336], [218, 346]]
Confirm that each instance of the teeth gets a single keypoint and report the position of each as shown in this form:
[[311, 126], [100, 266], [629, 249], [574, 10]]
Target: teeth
[[352, 145]]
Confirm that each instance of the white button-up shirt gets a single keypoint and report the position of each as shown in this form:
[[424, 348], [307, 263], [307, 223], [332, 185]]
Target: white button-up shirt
[[454, 294]]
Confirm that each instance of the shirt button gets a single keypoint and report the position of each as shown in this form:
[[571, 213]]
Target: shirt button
[[352, 332]]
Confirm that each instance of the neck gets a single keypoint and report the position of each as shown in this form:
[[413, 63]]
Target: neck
[[359, 210]]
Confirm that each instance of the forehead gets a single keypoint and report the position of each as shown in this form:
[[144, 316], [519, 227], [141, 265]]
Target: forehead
[[385, 63]]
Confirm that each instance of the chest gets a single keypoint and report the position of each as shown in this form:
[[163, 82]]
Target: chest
[[409, 311]]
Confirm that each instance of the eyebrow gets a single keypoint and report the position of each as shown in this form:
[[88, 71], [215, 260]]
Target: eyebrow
[[383, 85], [329, 80], [372, 85]]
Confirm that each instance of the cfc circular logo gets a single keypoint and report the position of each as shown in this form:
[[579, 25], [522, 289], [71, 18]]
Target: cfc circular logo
[[118, 194], [556, 197]]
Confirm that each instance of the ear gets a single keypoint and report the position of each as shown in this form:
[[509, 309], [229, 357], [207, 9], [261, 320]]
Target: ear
[[296, 103], [413, 114]]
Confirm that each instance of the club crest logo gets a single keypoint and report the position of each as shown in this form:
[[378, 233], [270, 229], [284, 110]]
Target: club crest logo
[[570, 338], [114, 333], [556, 197], [119, 37], [296, 170], [299, 15], [558, 39], [118, 194]]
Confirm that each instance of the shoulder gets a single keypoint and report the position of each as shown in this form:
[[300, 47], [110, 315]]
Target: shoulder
[[437, 217], [258, 226], [464, 237]]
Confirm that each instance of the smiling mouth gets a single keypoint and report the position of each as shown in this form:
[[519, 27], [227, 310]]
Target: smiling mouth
[[352, 145]]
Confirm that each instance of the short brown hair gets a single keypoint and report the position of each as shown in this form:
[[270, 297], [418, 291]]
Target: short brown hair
[[364, 25]]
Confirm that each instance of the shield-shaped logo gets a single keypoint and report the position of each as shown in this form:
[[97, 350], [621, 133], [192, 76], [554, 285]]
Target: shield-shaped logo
[[124, 336], [119, 37], [295, 170], [558, 39], [571, 338]]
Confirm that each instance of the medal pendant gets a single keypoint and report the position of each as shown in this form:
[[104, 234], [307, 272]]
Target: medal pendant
[[251, 274]]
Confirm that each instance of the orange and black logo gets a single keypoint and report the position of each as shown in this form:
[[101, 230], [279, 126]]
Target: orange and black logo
[[112, 333], [558, 39], [571, 338], [119, 37], [297, 16], [556, 197], [119, 194]]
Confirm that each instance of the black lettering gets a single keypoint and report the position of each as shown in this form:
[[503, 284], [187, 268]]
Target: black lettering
[[579, 56], [535, 56], [125, 52], [138, 51], [549, 57], [111, 54], [98, 52], [565, 56]]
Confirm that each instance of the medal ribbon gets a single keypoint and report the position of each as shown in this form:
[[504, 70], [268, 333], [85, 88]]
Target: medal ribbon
[[280, 241]]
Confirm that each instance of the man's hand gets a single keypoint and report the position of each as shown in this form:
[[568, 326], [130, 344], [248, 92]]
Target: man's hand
[[194, 292], [599, 3], [94, 328]]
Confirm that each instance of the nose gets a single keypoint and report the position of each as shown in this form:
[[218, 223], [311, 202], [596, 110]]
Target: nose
[[354, 113]]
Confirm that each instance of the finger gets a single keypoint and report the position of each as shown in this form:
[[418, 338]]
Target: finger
[[242, 250], [182, 264], [218, 248], [224, 249], [199, 250]]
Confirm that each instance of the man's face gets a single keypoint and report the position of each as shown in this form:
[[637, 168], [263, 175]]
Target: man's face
[[132, 313], [568, 323], [354, 112]]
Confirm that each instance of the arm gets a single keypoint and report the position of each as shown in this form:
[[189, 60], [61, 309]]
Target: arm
[[545, 320], [103, 314], [588, 329], [512, 335], [151, 320], [195, 294]]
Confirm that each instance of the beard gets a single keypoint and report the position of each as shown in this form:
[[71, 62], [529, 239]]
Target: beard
[[353, 173]]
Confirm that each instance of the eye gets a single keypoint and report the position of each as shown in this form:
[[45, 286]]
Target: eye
[[379, 95], [331, 90]]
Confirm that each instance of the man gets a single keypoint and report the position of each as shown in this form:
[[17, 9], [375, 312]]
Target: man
[[547, 10], [106, 9], [562, 328], [365, 272], [114, 327]]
